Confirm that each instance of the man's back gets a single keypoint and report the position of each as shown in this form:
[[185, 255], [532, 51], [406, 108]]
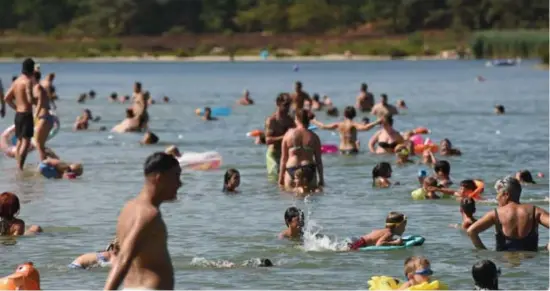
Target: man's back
[[151, 267], [22, 91]]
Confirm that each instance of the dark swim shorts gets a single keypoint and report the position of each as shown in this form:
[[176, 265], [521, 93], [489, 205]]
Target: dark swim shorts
[[24, 125]]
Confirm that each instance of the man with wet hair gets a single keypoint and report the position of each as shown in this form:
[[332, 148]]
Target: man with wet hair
[[516, 224], [20, 98], [143, 261], [365, 100]]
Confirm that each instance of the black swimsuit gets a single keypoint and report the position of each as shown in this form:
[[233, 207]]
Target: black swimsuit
[[349, 152], [528, 243], [309, 171], [387, 145]]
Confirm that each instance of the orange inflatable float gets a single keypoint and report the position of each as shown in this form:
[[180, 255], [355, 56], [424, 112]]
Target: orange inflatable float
[[421, 130], [480, 187], [420, 148], [26, 277], [255, 133]]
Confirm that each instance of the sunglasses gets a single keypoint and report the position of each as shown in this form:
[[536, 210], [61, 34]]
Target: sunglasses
[[424, 272]]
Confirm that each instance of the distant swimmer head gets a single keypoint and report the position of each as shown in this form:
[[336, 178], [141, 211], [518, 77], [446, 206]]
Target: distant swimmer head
[[467, 187], [485, 274], [316, 97], [397, 222], [384, 99], [51, 77], [113, 96], [294, 217], [401, 104], [27, 67], [422, 173], [88, 114], [468, 206], [442, 168], [303, 117], [81, 98], [231, 180], [173, 150], [37, 75], [366, 120], [150, 138], [298, 86], [137, 87], [364, 87], [265, 263], [445, 144], [207, 112], [91, 94], [333, 111], [499, 109], [350, 112], [525, 177], [382, 169], [165, 99], [75, 169]]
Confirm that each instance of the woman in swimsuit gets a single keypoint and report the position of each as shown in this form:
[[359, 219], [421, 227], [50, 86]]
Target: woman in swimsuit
[[516, 224], [43, 119], [301, 149], [9, 225], [387, 138], [348, 130]]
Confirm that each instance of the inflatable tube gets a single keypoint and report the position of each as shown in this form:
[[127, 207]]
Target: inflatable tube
[[417, 139], [408, 241], [200, 161], [421, 130], [255, 133], [216, 111], [420, 148], [329, 149], [52, 134], [480, 188], [389, 283], [419, 194], [26, 277]]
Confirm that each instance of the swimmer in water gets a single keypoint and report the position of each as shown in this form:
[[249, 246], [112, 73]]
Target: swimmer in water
[[57, 169], [332, 111], [525, 177], [386, 139], [422, 174], [383, 108], [91, 94], [442, 170], [401, 104], [499, 109], [81, 98], [166, 99], [129, 124], [245, 100], [365, 100], [9, 224], [389, 236], [428, 158], [348, 130], [467, 210], [173, 151], [327, 101], [113, 97], [295, 221], [485, 274], [299, 96], [101, 258], [208, 114], [149, 138], [231, 181], [446, 148], [402, 154], [301, 184], [468, 189], [430, 185], [316, 104], [417, 271], [381, 174]]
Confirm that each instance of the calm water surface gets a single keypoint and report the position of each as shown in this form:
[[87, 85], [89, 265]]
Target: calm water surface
[[206, 226]]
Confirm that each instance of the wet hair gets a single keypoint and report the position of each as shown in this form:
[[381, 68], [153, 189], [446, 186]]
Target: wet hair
[[265, 263], [468, 184], [228, 175], [468, 206], [414, 262], [13, 78], [442, 166], [37, 75], [500, 109], [282, 98], [137, 85], [526, 177], [153, 137], [388, 119], [113, 95], [207, 109], [129, 113], [316, 97], [485, 274], [298, 84], [364, 86], [511, 186], [9, 207], [51, 75], [304, 116], [384, 97], [292, 212], [350, 112], [113, 246], [446, 140], [27, 67], [394, 218], [91, 93], [158, 163], [380, 170]]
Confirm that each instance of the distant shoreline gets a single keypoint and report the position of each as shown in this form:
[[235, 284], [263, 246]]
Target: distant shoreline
[[249, 58]]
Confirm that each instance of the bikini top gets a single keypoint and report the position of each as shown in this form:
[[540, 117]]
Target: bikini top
[[527, 243], [297, 141], [386, 145]]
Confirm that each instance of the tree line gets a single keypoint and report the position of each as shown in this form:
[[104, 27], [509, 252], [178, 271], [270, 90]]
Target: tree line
[[106, 18]]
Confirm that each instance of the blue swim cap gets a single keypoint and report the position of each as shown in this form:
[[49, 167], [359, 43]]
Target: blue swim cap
[[422, 173]]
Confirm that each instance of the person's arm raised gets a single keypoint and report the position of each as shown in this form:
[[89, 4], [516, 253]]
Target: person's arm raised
[[320, 125], [368, 126], [479, 226], [129, 249]]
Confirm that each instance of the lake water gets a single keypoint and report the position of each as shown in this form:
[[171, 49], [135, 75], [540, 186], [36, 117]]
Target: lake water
[[206, 226]]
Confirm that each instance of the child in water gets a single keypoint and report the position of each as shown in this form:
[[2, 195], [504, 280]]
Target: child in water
[[427, 191], [295, 221], [173, 151], [9, 224], [468, 189], [485, 274], [525, 177], [442, 170], [417, 271], [101, 258], [428, 158], [467, 210], [402, 153], [57, 169], [231, 180], [446, 148], [389, 236], [381, 174], [302, 184]]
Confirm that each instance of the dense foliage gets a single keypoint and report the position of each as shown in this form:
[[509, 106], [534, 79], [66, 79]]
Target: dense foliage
[[156, 17]]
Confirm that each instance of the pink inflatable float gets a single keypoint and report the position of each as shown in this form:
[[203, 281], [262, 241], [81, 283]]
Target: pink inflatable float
[[329, 149]]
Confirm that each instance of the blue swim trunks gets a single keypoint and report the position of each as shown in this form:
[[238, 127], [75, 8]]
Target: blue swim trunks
[[47, 171]]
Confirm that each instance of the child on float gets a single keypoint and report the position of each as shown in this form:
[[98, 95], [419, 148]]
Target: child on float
[[101, 258], [417, 271], [389, 236], [231, 181]]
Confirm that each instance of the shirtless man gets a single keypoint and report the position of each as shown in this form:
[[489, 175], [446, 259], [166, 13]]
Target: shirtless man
[[21, 91], [299, 97], [140, 106], [383, 108], [365, 100], [47, 84], [143, 261], [130, 123], [276, 126], [245, 100], [44, 120]]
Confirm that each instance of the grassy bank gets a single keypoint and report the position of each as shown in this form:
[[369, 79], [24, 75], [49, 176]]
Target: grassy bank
[[518, 43]]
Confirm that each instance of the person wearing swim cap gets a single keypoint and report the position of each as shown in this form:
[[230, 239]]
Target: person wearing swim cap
[[422, 174], [245, 99], [402, 155], [396, 223], [516, 224], [295, 221], [57, 169], [348, 130]]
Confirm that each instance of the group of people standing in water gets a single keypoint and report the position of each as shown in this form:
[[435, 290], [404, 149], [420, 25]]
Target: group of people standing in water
[[139, 253]]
